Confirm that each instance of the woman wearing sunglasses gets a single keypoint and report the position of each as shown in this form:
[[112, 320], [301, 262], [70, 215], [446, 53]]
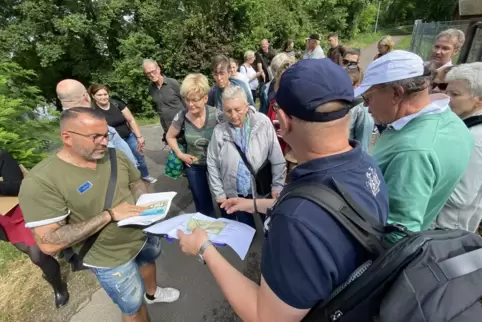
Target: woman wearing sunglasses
[[439, 85]]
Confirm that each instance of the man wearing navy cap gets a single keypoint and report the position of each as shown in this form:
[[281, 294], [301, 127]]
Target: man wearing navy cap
[[306, 254]]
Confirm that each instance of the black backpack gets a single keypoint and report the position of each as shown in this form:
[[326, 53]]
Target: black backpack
[[426, 276]]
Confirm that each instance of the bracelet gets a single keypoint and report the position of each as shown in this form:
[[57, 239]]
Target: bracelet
[[111, 214], [138, 137]]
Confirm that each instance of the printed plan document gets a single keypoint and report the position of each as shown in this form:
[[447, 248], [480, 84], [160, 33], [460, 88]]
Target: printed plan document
[[220, 231], [156, 208]]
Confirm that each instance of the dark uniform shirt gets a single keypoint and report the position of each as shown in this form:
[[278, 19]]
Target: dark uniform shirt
[[168, 100], [307, 254]]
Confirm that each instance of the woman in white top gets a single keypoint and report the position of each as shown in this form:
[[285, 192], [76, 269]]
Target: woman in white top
[[249, 71]]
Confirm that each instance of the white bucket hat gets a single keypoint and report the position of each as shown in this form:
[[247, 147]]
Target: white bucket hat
[[394, 66]]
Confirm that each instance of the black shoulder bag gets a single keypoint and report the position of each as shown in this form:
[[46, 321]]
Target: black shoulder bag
[[76, 260], [262, 178]]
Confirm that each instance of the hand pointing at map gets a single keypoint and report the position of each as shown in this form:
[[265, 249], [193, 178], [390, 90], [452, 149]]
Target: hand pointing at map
[[190, 244]]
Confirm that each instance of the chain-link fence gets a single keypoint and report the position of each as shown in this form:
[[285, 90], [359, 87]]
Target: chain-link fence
[[424, 34]]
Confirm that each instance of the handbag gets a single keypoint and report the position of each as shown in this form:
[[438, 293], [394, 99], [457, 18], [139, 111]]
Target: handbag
[[77, 260], [175, 166], [262, 178]]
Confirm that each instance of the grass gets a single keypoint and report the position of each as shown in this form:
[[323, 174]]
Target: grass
[[141, 121], [363, 40], [404, 44], [25, 296]]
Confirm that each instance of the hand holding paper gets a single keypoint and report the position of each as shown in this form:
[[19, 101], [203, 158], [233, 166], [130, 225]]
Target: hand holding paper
[[155, 207], [190, 244], [221, 231]]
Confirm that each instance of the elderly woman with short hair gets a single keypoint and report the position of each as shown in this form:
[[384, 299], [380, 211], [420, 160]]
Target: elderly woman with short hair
[[463, 210], [253, 133], [196, 125]]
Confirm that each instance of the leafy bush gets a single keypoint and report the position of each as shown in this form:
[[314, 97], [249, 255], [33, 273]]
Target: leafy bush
[[20, 132]]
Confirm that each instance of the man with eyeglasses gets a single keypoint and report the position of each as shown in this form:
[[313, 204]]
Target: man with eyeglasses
[[220, 65], [72, 93], [63, 198], [425, 149], [165, 93]]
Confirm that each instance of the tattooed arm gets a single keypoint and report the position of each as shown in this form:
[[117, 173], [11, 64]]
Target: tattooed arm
[[55, 237], [138, 188]]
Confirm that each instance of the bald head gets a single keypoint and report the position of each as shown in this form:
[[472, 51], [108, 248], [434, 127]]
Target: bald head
[[265, 45], [72, 93]]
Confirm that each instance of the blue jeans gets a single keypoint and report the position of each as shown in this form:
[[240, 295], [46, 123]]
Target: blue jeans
[[124, 283], [131, 140], [197, 176], [243, 216]]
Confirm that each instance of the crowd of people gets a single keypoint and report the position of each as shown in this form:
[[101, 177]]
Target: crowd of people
[[314, 123]]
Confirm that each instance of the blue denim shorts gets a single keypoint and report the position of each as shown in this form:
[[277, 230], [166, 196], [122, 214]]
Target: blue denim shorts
[[124, 283]]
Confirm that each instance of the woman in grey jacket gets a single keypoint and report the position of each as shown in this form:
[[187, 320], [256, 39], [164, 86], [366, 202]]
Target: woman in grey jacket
[[254, 134]]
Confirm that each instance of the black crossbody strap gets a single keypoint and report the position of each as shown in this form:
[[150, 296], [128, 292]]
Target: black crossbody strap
[[245, 160], [251, 170], [109, 198], [362, 230]]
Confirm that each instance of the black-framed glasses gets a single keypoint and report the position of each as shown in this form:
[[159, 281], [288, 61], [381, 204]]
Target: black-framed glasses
[[96, 138], [365, 98], [347, 62], [441, 86]]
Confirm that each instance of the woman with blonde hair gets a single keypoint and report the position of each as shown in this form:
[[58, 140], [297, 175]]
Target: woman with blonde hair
[[196, 126], [247, 69], [385, 45]]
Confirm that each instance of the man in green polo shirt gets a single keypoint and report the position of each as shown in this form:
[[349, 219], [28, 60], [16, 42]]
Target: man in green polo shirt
[[425, 149], [62, 200]]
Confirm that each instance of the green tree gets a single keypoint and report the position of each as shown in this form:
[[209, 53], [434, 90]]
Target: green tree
[[20, 132]]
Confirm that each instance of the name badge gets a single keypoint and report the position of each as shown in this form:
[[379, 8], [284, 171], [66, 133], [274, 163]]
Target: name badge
[[84, 187]]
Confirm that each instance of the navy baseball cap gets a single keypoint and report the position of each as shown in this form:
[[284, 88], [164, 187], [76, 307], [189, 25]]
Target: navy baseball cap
[[313, 82]]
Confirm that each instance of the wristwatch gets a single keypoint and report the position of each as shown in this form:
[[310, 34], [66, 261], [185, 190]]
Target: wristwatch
[[203, 248]]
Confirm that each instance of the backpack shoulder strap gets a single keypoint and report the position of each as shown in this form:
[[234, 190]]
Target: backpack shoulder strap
[[367, 232], [473, 121]]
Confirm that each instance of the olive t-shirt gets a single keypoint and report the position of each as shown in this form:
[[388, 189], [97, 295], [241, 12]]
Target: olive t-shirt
[[198, 139], [115, 118], [55, 190]]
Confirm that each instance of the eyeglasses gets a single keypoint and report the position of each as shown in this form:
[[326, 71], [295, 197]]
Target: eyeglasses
[[347, 62], [96, 138], [366, 101], [441, 86], [220, 74], [193, 100], [151, 72]]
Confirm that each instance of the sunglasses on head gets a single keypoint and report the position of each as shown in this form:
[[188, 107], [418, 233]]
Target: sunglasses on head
[[441, 86]]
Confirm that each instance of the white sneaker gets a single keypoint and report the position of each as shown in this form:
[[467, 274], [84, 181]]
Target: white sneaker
[[149, 179], [164, 295]]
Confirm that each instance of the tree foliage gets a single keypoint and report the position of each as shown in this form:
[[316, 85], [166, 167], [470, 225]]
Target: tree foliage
[[20, 132], [106, 40], [396, 12]]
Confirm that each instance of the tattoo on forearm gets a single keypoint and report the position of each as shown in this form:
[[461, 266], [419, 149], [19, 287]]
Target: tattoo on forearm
[[138, 188], [70, 234]]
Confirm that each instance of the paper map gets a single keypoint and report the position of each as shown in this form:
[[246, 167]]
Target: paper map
[[220, 231], [211, 227]]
